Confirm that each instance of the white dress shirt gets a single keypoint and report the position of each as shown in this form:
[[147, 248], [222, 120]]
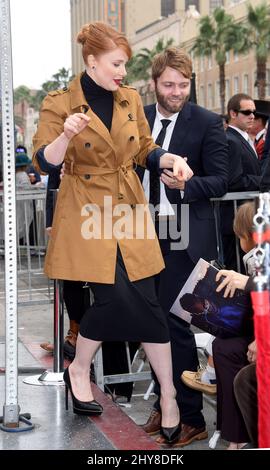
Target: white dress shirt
[[260, 134], [165, 206]]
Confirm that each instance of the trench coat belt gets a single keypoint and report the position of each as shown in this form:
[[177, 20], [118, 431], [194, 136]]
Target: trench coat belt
[[122, 171]]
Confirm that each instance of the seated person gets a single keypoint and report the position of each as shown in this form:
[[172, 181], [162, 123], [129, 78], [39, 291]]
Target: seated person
[[245, 390], [230, 354]]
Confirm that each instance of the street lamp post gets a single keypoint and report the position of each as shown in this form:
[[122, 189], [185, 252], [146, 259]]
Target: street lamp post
[[11, 410]]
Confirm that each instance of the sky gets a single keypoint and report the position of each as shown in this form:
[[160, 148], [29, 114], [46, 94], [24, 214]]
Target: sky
[[41, 42]]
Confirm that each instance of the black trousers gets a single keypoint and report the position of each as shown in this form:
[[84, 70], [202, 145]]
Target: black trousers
[[245, 390], [76, 298], [184, 351], [230, 355]]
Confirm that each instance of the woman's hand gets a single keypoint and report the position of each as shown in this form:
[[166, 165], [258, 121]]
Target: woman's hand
[[181, 170], [74, 124], [232, 281]]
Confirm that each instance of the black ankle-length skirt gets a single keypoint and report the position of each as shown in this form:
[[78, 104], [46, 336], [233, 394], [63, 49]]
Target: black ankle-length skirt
[[125, 311]]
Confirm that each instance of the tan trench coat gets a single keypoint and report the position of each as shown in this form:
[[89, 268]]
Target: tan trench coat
[[98, 163]]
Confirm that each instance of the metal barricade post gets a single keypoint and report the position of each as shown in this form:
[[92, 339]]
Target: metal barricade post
[[54, 377]]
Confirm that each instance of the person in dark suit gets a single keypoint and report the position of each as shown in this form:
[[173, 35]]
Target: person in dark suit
[[198, 135], [244, 167], [265, 180], [258, 129], [244, 170], [265, 163], [266, 150]]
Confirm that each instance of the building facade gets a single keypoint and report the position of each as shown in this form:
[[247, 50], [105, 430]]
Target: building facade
[[127, 16], [146, 21], [240, 70], [82, 12], [183, 27]]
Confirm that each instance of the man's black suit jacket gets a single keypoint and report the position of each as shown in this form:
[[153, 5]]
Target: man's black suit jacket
[[198, 135], [244, 166]]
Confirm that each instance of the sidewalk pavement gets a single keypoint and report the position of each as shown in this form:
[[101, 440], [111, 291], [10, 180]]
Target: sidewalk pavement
[[58, 429]]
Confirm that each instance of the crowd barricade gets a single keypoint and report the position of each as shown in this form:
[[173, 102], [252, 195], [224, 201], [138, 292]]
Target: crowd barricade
[[139, 374], [33, 286], [135, 370]]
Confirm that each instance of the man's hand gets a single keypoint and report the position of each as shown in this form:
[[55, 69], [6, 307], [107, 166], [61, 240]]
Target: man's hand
[[171, 181], [232, 281], [252, 351], [74, 124]]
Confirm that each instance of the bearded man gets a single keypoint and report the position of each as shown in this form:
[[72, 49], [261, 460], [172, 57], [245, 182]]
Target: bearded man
[[186, 129]]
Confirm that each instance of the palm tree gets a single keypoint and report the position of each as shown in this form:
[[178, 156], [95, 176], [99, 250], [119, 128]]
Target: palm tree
[[219, 34], [60, 79], [259, 38], [22, 95], [140, 64]]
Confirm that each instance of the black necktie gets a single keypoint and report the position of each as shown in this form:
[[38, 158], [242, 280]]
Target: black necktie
[[154, 195]]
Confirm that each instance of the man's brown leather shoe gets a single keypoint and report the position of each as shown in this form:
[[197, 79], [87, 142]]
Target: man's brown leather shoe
[[188, 434], [152, 426]]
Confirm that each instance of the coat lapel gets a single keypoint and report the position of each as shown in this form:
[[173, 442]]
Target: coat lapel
[[150, 113], [249, 148], [121, 113], [244, 142], [80, 105], [181, 128]]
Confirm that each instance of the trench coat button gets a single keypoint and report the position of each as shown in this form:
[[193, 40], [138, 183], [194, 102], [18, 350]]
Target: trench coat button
[[87, 177], [87, 145], [132, 138], [132, 206]]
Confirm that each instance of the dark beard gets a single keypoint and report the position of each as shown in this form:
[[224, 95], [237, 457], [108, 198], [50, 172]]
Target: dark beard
[[169, 107]]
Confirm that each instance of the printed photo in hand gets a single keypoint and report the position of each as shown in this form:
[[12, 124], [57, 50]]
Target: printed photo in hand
[[198, 303]]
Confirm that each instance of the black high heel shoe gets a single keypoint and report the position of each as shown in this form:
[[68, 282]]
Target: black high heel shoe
[[80, 407], [171, 434]]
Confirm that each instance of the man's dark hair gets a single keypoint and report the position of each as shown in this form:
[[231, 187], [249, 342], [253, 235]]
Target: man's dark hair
[[188, 301], [235, 100]]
